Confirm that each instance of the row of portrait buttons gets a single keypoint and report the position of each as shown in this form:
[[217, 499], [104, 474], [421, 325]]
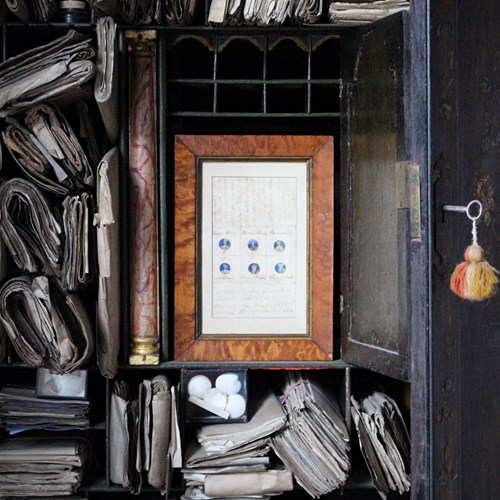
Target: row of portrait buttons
[[253, 268], [253, 245]]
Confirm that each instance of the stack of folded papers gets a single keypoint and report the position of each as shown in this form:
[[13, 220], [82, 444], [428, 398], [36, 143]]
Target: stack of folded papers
[[22, 410], [149, 11], [315, 444], [384, 442], [46, 326], [356, 14], [58, 69], [264, 12], [59, 202], [38, 10], [144, 435], [232, 460], [42, 466]]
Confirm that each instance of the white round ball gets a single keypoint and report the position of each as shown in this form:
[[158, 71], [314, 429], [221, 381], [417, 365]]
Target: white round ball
[[216, 398], [198, 386], [228, 383], [235, 405]]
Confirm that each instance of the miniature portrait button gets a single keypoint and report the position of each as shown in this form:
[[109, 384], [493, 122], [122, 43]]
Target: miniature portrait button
[[280, 267], [224, 268], [279, 245], [224, 244], [253, 245], [254, 268]]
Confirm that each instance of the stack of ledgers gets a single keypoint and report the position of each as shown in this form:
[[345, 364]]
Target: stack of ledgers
[[22, 410], [315, 443], [144, 435], [32, 467], [232, 460], [384, 442], [58, 189]]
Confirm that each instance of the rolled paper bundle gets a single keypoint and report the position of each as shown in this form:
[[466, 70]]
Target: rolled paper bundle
[[29, 228], [46, 326], [475, 279], [20, 9]]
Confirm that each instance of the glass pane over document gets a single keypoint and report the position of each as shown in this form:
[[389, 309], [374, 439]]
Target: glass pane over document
[[254, 248]]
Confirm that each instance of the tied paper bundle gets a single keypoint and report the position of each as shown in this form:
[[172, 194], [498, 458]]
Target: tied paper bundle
[[315, 444], [231, 460], [144, 435], [38, 10], [30, 228], [108, 255], [48, 152], [357, 14], [22, 410], [105, 7], [38, 242], [59, 69], [52, 466], [45, 326], [141, 11], [384, 442], [106, 83]]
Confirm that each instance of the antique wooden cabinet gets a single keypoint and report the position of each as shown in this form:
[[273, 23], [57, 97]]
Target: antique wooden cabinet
[[412, 102]]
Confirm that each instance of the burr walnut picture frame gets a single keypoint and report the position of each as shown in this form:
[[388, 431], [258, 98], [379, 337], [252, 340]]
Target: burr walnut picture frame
[[254, 227]]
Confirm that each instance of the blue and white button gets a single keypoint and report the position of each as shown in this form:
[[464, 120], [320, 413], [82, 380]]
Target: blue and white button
[[280, 267], [254, 268], [225, 268], [253, 245], [224, 244], [279, 245]]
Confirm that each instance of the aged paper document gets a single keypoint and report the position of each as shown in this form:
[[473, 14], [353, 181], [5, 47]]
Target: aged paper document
[[254, 246]]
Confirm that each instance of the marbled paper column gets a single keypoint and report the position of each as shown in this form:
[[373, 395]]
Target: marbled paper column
[[144, 270]]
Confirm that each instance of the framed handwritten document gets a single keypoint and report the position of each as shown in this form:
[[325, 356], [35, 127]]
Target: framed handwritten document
[[253, 248]]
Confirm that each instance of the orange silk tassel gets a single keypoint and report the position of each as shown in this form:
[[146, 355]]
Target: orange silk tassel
[[475, 279]]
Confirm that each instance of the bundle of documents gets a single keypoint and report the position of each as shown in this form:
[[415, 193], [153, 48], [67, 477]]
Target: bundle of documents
[[22, 410], [58, 69], [30, 228], [264, 12], [106, 82], [231, 460], [47, 150], [42, 466], [77, 269], [356, 14], [105, 7], [39, 10], [108, 255], [46, 327], [315, 444], [178, 11], [384, 442], [144, 435]]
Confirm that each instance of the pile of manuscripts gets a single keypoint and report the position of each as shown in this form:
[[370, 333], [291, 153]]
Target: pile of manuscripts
[[356, 14], [58, 204], [232, 460], [384, 442], [40, 466], [306, 430], [144, 435], [315, 443], [264, 12], [21, 410]]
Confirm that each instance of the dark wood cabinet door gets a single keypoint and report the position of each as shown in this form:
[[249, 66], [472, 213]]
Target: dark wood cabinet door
[[380, 225]]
